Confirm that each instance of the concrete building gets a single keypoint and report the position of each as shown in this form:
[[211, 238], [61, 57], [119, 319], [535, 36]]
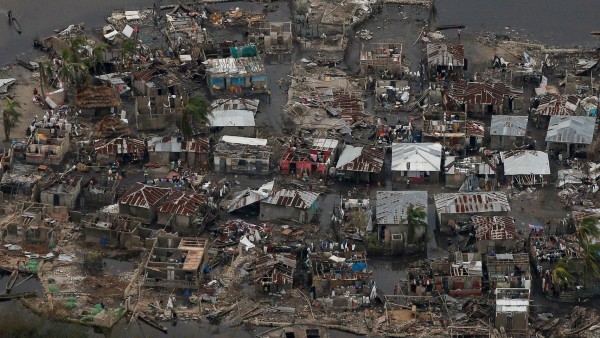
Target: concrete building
[[485, 97], [274, 272], [274, 38], [468, 173], [512, 311], [507, 131], [416, 161], [99, 192], [460, 275], [241, 73], [359, 163], [97, 102], [242, 155], [47, 146], [112, 230], [391, 216], [156, 112], [125, 149], [61, 190], [232, 122], [381, 59], [192, 152], [184, 211], [454, 207], [284, 204], [141, 201], [313, 160]]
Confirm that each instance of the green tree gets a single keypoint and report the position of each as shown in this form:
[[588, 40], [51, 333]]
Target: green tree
[[587, 234], [98, 56], [197, 110], [10, 116], [73, 69], [561, 274], [46, 71], [588, 231], [415, 217]]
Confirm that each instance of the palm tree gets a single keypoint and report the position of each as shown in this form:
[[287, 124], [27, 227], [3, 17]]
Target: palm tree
[[197, 110], [45, 70], [587, 233], [588, 230], [73, 69], [10, 116], [561, 274], [415, 216], [98, 56], [128, 49]]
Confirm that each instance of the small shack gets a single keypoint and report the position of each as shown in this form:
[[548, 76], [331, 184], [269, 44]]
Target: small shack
[[286, 204], [97, 102], [459, 207], [358, 163], [444, 60], [244, 155], [512, 311], [496, 234], [234, 122], [183, 211], [485, 97], [142, 200], [507, 130], [565, 131], [391, 214], [61, 190], [416, 162], [526, 167]]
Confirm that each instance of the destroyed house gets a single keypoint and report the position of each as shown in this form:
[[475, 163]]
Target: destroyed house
[[184, 34], [496, 234], [120, 148], [360, 163], [274, 38], [465, 172], [241, 73], [508, 270], [142, 200], [242, 155], [460, 275], [416, 162], [344, 272], [391, 214], [512, 311], [558, 104], [526, 167], [310, 160], [110, 127], [485, 97], [286, 204], [36, 223], [21, 180], [565, 131], [156, 112], [97, 102], [274, 272], [114, 231], [383, 59], [155, 81], [6, 160], [99, 192], [61, 190], [47, 146], [183, 211], [444, 59], [192, 151], [175, 263], [507, 131], [455, 133], [454, 207]]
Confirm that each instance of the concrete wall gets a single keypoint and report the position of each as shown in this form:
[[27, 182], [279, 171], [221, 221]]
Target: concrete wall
[[252, 166], [66, 199], [146, 215], [275, 212], [504, 142], [117, 239]]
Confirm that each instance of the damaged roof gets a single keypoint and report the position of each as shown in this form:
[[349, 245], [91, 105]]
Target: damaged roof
[[392, 206], [475, 128], [144, 196], [471, 202], [416, 156], [324, 144], [482, 93], [233, 67], [182, 203], [292, 198], [508, 125], [97, 97], [363, 159], [525, 162], [554, 104], [441, 54], [571, 129], [231, 118], [196, 145], [248, 197], [494, 227], [120, 145], [236, 104]]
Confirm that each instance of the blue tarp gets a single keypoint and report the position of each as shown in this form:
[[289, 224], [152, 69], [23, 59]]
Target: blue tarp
[[358, 267]]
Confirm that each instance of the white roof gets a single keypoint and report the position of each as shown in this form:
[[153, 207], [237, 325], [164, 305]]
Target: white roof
[[471, 202], [508, 125], [349, 154], [512, 305], [392, 206], [416, 156], [251, 141], [571, 129], [231, 118], [325, 143], [158, 144], [525, 162], [5, 83]]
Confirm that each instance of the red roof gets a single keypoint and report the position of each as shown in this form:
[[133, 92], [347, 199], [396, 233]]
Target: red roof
[[144, 196], [196, 145], [182, 203], [120, 145], [482, 93]]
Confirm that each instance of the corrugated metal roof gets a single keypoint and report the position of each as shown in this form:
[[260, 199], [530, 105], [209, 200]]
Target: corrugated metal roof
[[494, 227], [164, 144], [475, 128], [236, 104], [508, 125], [120, 145], [324, 144], [525, 162], [471, 202], [251, 141], [231, 118], [416, 156], [182, 203], [235, 66], [482, 93], [292, 198], [392, 206], [571, 129], [554, 104], [143, 196], [445, 54], [196, 145], [361, 159]]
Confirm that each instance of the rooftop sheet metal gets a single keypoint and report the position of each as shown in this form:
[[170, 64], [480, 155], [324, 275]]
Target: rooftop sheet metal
[[525, 162], [232, 118], [182, 203], [392, 206], [508, 125], [251, 141], [445, 54], [235, 66], [292, 198], [416, 156], [482, 93], [120, 145], [143, 196], [571, 129], [361, 159], [324, 144], [555, 104], [473, 202], [494, 227]]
